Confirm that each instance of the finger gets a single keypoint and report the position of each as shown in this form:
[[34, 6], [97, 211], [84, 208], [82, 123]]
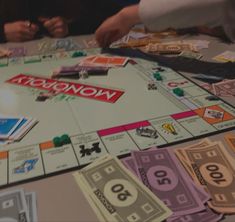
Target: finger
[[58, 25], [106, 38], [26, 33], [99, 36], [59, 33], [34, 28], [31, 31], [49, 23], [43, 19]]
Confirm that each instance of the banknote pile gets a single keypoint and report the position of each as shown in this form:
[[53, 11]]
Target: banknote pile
[[115, 194], [17, 205], [227, 56], [211, 166], [177, 47], [162, 173], [168, 48], [224, 88], [196, 183]]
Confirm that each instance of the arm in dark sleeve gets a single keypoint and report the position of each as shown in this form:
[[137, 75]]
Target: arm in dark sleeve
[[2, 34], [90, 14]]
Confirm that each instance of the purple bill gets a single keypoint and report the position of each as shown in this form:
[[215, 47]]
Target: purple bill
[[161, 172]]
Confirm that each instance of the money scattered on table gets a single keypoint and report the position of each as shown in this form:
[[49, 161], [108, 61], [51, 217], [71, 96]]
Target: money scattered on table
[[117, 195], [18, 206], [197, 183], [168, 48], [191, 55], [227, 56], [65, 44], [224, 88], [17, 52]]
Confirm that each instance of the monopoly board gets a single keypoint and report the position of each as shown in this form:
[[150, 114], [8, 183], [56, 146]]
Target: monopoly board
[[113, 113]]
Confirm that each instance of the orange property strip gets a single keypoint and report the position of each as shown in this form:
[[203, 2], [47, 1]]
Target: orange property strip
[[46, 145], [3, 155]]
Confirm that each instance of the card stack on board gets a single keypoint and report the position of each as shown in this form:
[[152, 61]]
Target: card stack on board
[[74, 70], [104, 61], [91, 65], [14, 128], [18, 206]]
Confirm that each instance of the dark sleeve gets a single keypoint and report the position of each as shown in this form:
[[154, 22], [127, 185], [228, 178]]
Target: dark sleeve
[[2, 34], [90, 15]]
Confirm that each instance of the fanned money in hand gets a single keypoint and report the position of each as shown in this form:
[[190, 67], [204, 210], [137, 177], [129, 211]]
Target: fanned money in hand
[[212, 167], [117, 195], [16, 205]]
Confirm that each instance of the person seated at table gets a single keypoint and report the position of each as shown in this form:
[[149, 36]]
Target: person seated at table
[[24, 20], [158, 15]]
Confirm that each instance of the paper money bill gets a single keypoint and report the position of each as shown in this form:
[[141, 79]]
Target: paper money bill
[[164, 48], [191, 55], [161, 172], [32, 206], [230, 139], [206, 215], [224, 88], [13, 206], [89, 196], [227, 56], [215, 171], [183, 158], [118, 194], [129, 163]]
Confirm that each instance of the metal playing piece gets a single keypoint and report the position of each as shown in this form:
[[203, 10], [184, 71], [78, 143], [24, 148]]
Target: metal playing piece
[[83, 74], [146, 132]]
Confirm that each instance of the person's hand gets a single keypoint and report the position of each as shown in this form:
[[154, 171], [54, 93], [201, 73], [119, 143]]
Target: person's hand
[[117, 26], [20, 31], [56, 26]]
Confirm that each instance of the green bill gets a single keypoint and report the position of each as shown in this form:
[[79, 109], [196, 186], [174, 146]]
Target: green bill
[[119, 195]]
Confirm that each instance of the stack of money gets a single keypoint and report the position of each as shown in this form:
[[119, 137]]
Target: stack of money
[[16, 205], [211, 167], [168, 48], [163, 174], [115, 194], [224, 88]]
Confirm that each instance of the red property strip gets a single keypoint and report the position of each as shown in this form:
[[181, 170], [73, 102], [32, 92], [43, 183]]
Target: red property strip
[[69, 88]]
